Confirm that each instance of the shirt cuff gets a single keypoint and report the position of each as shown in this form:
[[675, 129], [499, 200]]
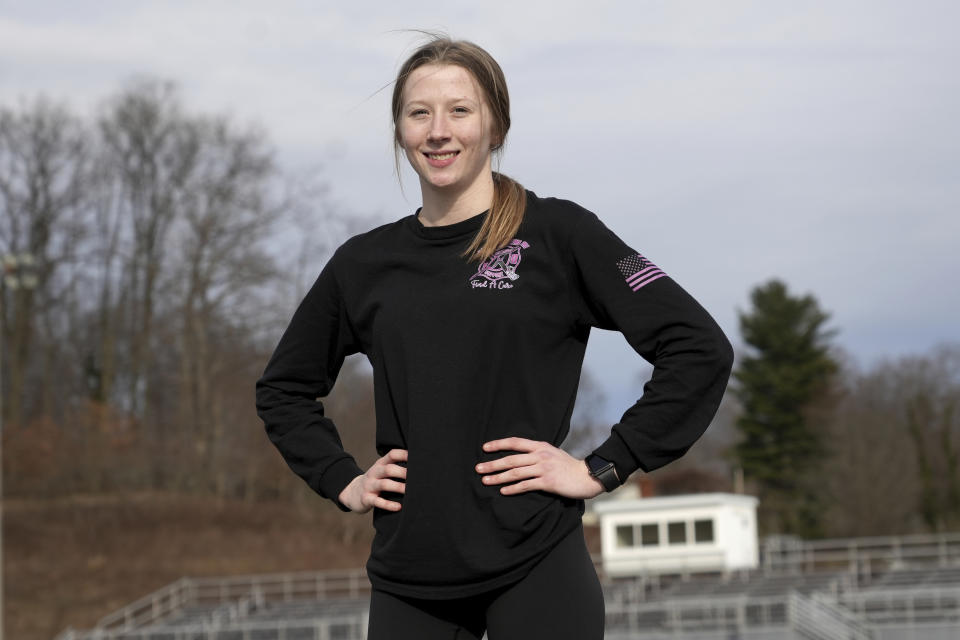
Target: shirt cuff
[[614, 450], [336, 478]]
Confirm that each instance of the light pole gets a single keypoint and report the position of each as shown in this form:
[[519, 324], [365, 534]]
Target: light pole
[[18, 273]]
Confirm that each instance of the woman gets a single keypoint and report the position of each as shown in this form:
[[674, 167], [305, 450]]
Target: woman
[[474, 313]]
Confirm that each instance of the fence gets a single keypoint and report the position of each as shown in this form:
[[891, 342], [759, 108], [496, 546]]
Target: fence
[[863, 557], [829, 612], [329, 628], [237, 595]]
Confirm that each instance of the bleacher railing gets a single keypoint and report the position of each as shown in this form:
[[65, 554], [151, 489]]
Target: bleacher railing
[[819, 617], [815, 617], [855, 560], [863, 557], [233, 592], [905, 605], [352, 627]]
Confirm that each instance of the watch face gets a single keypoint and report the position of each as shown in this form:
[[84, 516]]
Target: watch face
[[596, 463]]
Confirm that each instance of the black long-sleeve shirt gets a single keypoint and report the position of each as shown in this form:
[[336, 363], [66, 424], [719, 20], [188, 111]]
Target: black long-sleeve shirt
[[465, 353]]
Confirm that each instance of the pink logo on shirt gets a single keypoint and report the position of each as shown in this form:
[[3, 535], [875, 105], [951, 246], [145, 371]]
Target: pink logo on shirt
[[497, 271], [638, 271]]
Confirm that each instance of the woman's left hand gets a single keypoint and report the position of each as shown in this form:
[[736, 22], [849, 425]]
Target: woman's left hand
[[541, 466]]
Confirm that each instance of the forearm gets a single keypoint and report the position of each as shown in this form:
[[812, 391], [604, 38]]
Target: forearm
[[681, 398], [307, 440]]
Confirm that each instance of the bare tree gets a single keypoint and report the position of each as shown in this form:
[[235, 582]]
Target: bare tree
[[151, 155], [931, 389], [868, 483], [105, 281], [892, 463], [162, 274], [229, 210], [44, 160]]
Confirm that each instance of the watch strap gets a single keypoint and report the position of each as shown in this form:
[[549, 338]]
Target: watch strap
[[604, 471]]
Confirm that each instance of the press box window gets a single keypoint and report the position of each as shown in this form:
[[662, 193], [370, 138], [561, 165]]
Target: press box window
[[676, 532], [649, 535], [624, 535], [703, 530]]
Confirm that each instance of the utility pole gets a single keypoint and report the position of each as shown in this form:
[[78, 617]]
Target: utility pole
[[18, 273]]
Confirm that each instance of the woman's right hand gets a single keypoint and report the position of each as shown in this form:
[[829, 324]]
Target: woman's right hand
[[363, 492]]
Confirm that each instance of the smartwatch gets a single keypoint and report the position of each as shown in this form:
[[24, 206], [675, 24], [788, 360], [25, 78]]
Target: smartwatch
[[604, 471]]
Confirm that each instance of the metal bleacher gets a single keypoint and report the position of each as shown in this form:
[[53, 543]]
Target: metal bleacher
[[888, 588], [851, 589], [327, 605]]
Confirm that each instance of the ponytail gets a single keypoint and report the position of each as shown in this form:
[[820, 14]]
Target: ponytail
[[503, 221]]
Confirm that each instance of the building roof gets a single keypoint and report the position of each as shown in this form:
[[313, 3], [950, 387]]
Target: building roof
[[665, 503]]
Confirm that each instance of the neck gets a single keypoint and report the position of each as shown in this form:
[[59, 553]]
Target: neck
[[442, 207]]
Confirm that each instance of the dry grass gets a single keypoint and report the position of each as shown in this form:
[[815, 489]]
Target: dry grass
[[69, 562]]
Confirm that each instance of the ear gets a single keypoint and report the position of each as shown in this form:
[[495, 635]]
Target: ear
[[496, 141]]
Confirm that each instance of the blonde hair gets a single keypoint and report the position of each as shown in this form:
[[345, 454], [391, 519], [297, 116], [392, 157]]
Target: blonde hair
[[509, 196]]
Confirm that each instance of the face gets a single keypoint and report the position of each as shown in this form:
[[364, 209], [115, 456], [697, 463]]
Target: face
[[445, 128]]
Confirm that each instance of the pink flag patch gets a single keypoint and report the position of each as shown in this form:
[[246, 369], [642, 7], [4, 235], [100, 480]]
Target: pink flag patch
[[638, 271]]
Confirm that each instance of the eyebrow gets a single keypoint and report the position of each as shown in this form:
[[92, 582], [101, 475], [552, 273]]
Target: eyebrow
[[408, 103]]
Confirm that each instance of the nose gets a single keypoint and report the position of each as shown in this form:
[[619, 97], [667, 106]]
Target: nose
[[439, 129]]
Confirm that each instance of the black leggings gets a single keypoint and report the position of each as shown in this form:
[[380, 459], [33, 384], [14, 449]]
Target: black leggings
[[560, 599]]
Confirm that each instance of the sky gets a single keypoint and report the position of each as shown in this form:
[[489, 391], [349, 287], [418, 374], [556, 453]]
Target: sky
[[730, 141]]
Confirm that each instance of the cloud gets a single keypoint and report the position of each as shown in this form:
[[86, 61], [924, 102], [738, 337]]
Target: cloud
[[732, 141]]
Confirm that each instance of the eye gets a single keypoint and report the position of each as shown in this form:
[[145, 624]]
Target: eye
[[461, 110], [418, 113]]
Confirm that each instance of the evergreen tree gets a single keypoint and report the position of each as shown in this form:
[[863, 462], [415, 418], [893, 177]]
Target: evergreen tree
[[787, 370]]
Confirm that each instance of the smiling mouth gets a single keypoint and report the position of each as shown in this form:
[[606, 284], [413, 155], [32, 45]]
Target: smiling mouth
[[442, 156]]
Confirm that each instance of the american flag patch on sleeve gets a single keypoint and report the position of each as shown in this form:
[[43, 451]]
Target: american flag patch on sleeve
[[638, 271]]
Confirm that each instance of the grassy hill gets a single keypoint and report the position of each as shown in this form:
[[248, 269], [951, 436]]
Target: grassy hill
[[71, 561]]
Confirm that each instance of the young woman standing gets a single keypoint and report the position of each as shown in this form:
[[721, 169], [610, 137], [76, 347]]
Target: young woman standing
[[474, 313]]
